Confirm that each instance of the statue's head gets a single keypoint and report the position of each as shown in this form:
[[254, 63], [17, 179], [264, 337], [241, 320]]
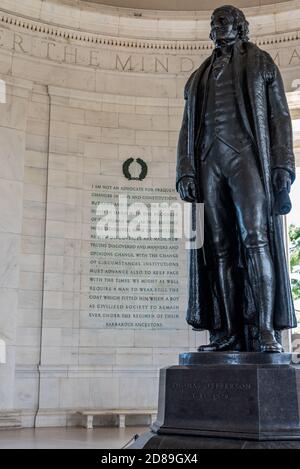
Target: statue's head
[[228, 24]]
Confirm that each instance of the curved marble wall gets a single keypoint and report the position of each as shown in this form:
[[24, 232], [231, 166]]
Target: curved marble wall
[[180, 5], [88, 86]]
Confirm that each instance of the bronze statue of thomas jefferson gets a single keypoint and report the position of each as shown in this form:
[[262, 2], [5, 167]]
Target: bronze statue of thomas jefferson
[[235, 154]]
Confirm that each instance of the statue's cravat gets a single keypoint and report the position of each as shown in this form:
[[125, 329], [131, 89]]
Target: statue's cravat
[[220, 62]]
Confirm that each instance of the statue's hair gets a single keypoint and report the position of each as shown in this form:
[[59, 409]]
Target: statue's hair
[[239, 17]]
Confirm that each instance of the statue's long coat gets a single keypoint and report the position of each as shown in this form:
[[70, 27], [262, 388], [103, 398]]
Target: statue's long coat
[[264, 111]]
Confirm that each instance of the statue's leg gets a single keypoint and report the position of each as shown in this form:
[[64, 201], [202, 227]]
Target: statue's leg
[[220, 234], [251, 209]]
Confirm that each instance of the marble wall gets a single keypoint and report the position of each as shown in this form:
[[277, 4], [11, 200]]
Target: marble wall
[[13, 122], [78, 103]]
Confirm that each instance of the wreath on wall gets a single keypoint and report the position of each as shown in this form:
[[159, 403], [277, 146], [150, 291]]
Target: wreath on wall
[[143, 173]]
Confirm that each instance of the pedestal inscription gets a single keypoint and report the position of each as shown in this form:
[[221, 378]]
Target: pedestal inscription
[[251, 401]]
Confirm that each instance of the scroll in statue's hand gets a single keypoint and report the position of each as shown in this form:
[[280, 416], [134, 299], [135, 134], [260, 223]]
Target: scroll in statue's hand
[[282, 185], [187, 189]]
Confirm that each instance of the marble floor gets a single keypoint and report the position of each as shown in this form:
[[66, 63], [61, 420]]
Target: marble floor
[[68, 438]]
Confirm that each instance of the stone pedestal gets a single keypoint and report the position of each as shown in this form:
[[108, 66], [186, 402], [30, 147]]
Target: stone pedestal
[[226, 397]]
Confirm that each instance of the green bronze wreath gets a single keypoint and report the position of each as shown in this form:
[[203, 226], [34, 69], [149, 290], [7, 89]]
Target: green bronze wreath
[[143, 173]]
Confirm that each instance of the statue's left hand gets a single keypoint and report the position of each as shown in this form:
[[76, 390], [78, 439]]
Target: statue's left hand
[[281, 180]]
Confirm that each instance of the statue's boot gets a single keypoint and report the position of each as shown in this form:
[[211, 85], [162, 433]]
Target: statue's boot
[[227, 343], [261, 276], [268, 342], [226, 282]]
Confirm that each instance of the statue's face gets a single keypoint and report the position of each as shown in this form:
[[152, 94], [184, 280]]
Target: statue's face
[[223, 27]]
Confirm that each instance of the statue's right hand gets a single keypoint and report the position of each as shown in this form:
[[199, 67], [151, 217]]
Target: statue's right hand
[[187, 189]]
